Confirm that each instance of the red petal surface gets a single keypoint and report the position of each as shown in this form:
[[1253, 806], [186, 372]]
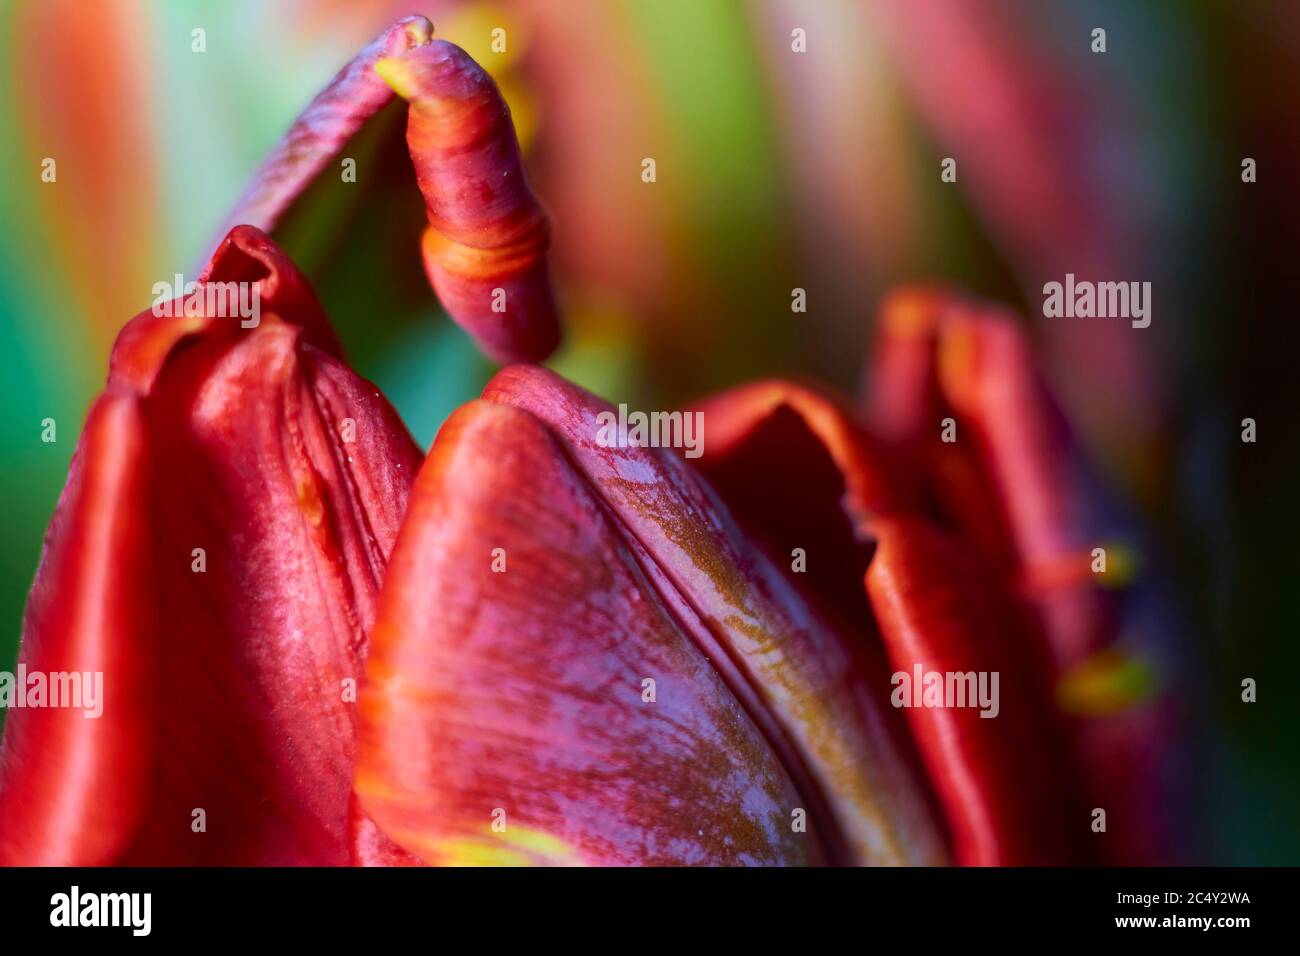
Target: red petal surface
[[1003, 780], [515, 697], [72, 787], [813, 690], [1010, 484]]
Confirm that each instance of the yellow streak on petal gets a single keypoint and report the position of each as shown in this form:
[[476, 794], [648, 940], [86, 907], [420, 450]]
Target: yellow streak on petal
[[485, 263], [398, 75], [517, 846]]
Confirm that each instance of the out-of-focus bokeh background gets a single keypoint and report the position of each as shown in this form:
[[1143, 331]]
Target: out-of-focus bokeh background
[[775, 170]]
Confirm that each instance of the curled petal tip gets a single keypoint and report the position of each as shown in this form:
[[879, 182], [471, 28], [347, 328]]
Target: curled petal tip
[[486, 257], [486, 246]]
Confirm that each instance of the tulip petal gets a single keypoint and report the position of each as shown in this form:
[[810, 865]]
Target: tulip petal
[[988, 375], [815, 691], [485, 248], [1010, 484], [1014, 488], [72, 786], [505, 719], [267, 496], [260, 649], [995, 761], [798, 471]]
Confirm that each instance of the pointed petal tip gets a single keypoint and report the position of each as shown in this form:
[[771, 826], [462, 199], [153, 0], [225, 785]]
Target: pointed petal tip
[[245, 256]]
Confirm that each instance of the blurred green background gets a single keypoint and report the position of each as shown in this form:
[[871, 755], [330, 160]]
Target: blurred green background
[[775, 170]]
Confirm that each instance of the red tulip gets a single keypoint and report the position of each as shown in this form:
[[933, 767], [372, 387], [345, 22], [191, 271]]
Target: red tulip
[[501, 690], [567, 650]]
